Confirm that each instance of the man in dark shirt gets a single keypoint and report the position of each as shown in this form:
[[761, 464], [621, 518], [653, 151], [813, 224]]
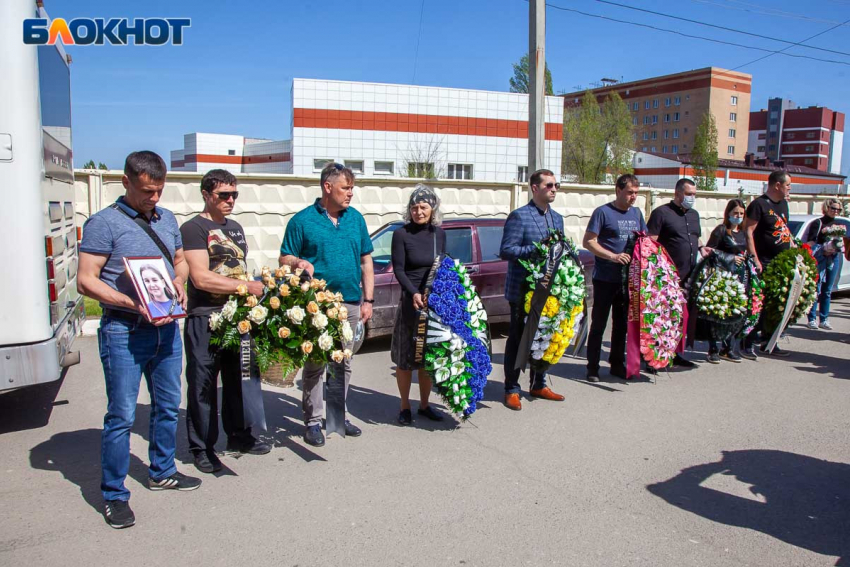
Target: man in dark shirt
[[676, 227], [216, 251], [766, 227], [524, 227], [608, 232]]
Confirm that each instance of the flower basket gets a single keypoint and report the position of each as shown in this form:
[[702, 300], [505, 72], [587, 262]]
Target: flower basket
[[279, 374], [554, 302]]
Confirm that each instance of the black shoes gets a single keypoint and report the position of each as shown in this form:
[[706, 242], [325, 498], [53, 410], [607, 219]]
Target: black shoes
[[249, 446], [713, 358], [619, 372], [592, 376], [749, 353], [207, 462], [730, 355], [683, 362], [117, 514], [404, 417], [430, 413], [775, 352], [314, 436], [176, 481], [352, 430]]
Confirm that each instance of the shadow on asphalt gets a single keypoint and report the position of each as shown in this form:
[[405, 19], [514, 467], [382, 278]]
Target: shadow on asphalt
[[797, 499], [30, 407]]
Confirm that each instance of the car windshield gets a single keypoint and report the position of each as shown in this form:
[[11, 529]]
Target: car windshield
[[382, 243], [794, 227]]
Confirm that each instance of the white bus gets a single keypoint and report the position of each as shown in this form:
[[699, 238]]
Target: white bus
[[40, 309]]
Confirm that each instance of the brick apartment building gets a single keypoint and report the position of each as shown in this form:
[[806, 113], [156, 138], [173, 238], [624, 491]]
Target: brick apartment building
[[810, 137], [666, 110]]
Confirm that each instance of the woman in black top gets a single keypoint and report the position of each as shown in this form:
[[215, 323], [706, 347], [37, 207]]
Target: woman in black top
[[729, 238], [829, 262], [415, 246]]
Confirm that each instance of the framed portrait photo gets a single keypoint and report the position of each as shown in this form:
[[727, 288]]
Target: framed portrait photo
[[154, 286]]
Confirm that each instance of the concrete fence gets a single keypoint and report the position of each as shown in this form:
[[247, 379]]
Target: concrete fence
[[266, 202]]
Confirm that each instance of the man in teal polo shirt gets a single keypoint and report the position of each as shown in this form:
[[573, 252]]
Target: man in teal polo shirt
[[329, 239]]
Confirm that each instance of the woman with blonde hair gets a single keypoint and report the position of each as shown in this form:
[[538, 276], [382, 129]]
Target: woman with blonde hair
[[415, 246], [829, 260]]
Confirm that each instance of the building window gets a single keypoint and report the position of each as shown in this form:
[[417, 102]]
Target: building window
[[654, 135], [760, 149], [734, 101], [645, 136], [666, 134], [808, 161], [674, 149], [675, 133], [677, 101], [772, 147], [687, 97], [773, 134], [654, 149], [666, 118], [663, 149], [731, 132], [522, 173], [810, 134], [460, 171], [810, 148], [420, 169], [634, 120], [790, 135], [655, 119], [675, 117], [319, 164], [646, 105], [762, 136], [644, 149], [655, 103], [733, 116], [635, 106], [384, 167], [646, 120], [667, 101], [730, 150], [356, 166], [773, 121], [231, 152]]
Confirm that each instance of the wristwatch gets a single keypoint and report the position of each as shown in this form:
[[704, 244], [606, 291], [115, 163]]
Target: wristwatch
[[368, 301]]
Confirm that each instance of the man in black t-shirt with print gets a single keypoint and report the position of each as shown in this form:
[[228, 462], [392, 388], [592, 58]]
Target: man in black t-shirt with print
[[766, 227], [215, 248]]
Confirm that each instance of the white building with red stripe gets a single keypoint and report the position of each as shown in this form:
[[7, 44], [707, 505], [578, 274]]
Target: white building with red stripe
[[393, 130], [748, 176]]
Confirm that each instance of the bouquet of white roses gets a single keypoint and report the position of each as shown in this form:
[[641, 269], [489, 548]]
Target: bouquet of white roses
[[296, 320], [834, 237], [721, 295]]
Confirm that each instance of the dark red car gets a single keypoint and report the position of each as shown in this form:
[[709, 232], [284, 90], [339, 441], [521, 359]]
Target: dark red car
[[473, 241]]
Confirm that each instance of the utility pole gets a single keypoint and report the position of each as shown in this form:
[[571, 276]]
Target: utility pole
[[536, 83]]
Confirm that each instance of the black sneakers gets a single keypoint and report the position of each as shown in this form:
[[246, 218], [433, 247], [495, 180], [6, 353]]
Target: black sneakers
[[176, 481], [251, 446], [730, 355], [207, 462], [352, 430], [118, 514], [775, 352], [314, 436], [713, 358], [749, 353]]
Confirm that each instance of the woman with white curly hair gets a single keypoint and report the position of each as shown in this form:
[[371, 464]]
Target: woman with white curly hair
[[415, 246]]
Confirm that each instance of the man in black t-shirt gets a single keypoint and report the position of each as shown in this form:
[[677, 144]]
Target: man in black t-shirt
[[215, 248], [766, 227]]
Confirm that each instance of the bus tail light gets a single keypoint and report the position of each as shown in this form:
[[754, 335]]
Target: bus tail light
[[48, 246], [51, 271]]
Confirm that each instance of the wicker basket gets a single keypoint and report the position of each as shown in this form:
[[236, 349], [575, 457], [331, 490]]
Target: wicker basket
[[275, 376]]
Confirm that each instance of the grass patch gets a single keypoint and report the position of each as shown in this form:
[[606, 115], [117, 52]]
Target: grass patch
[[93, 310]]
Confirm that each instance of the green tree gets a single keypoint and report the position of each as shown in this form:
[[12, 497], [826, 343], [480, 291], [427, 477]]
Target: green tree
[[704, 155], [89, 165], [597, 139], [101, 165], [519, 82]]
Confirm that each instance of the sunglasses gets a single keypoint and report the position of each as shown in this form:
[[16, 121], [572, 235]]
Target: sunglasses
[[226, 195], [551, 186], [835, 209]]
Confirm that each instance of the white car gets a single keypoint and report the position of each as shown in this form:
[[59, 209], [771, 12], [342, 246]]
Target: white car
[[799, 224]]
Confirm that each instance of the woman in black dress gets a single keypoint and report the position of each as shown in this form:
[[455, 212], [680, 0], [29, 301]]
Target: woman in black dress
[[728, 237], [414, 249]]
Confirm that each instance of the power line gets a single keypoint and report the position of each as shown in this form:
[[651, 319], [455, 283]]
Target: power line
[[715, 26], [790, 46], [418, 39], [764, 11], [690, 36]]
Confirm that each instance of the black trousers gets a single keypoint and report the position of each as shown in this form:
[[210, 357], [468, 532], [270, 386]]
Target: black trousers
[[608, 298], [511, 346], [203, 364]]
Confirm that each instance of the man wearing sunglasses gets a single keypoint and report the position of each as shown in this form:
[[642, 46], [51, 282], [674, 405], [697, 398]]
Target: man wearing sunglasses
[[525, 226], [216, 250]]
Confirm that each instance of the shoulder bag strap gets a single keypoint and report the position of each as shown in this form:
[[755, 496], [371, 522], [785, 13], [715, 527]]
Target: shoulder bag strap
[[150, 232]]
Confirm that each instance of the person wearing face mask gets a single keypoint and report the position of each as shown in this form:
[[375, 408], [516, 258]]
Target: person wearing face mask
[[526, 226], [730, 239], [829, 262], [415, 246], [676, 226]]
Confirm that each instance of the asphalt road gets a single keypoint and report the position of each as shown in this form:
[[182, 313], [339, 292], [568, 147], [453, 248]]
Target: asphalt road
[[724, 465]]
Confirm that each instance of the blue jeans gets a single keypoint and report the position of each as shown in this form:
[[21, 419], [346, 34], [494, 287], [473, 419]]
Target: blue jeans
[[828, 270], [129, 349]]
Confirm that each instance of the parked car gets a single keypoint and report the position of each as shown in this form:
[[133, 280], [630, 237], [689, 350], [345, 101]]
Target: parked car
[[473, 241], [799, 224]]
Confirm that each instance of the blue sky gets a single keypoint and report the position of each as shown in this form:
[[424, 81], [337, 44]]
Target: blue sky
[[233, 74]]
